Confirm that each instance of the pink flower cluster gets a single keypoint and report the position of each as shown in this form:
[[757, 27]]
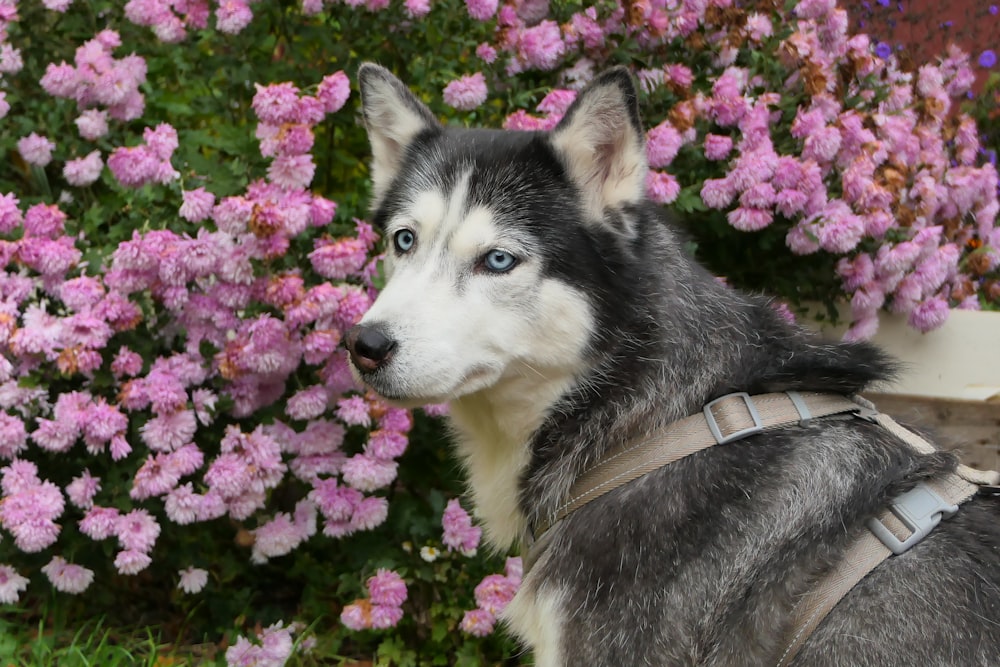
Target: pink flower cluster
[[467, 92], [215, 290], [493, 594], [384, 606], [459, 533], [170, 20], [285, 131], [274, 650], [98, 79], [149, 162], [881, 164]]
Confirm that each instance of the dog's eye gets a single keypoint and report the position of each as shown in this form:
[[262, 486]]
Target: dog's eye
[[499, 261], [404, 240]]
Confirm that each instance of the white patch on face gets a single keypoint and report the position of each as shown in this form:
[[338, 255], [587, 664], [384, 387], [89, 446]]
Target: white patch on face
[[502, 348]]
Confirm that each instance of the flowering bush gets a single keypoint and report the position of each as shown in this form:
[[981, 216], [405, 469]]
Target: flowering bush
[[172, 378]]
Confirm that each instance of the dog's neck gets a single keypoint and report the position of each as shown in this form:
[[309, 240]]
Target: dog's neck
[[493, 429]]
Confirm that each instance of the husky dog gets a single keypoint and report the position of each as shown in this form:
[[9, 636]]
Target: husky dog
[[534, 288]]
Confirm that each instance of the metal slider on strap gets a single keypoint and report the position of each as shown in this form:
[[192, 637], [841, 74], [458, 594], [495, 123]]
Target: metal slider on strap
[[920, 509], [716, 431]]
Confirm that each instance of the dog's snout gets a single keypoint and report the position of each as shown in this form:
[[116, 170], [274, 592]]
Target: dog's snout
[[369, 347]]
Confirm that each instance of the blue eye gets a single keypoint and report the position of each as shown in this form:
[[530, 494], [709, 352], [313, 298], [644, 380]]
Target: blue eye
[[404, 240], [499, 261]]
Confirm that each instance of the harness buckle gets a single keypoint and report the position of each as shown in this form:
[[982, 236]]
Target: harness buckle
[[713, 425], [920, 509]]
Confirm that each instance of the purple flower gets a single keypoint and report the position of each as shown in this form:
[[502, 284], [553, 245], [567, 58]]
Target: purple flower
[[276, 103], [369, 513], [987, 58], [929, 314], [13, 436], [717, 147], [137, 530], [82, 489], [467, 92]]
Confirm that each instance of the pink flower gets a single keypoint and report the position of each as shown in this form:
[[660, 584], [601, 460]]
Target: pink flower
[[481, 10], [11, 584], [292, 171], [717, 147], [459, 533], [276, 103], [67, 577], [663, 142], [495, 592], [307, 404], [133, 166], [717, 193], [749, 219], [417, 8], [167, 432], [132, 562], [10, 215], [333, 91], [387, 588], [758, 27], [929, 314], [82, 489], [662, 187], [13, 436], [339, 259], [353, 411], [385, 616], [478, 622], [357, 615], [192, 579], [367, 474], [92, 124], [277, 537], [542, 46], [84, 171], [36, 149], [99, 522], [384, 444], [198, 204], [232, 16], [466, 92], [369, 513], [137, 530], [486, 53]]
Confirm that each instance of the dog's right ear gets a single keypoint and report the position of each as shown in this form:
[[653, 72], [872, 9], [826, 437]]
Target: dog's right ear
[[394, 117]]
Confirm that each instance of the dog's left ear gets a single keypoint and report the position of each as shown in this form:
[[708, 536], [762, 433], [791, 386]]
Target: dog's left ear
[[394, 117], [602, 145]]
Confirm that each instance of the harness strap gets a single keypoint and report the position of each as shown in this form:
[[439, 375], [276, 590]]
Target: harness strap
[[905, 522], [731, 417]]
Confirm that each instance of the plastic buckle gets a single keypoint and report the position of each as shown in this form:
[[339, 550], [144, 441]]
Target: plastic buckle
[[713, 425], [805, 416], [920, 509]]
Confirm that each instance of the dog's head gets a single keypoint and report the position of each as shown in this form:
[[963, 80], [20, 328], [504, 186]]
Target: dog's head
[[492, 237]]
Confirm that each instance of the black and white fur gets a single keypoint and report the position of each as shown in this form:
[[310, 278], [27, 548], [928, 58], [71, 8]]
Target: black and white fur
[[604, 330]]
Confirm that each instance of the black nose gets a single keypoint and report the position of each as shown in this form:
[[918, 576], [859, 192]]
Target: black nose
[[369, 347]]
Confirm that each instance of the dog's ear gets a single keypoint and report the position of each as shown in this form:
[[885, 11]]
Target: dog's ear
[[394, 117], [601, 142]]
